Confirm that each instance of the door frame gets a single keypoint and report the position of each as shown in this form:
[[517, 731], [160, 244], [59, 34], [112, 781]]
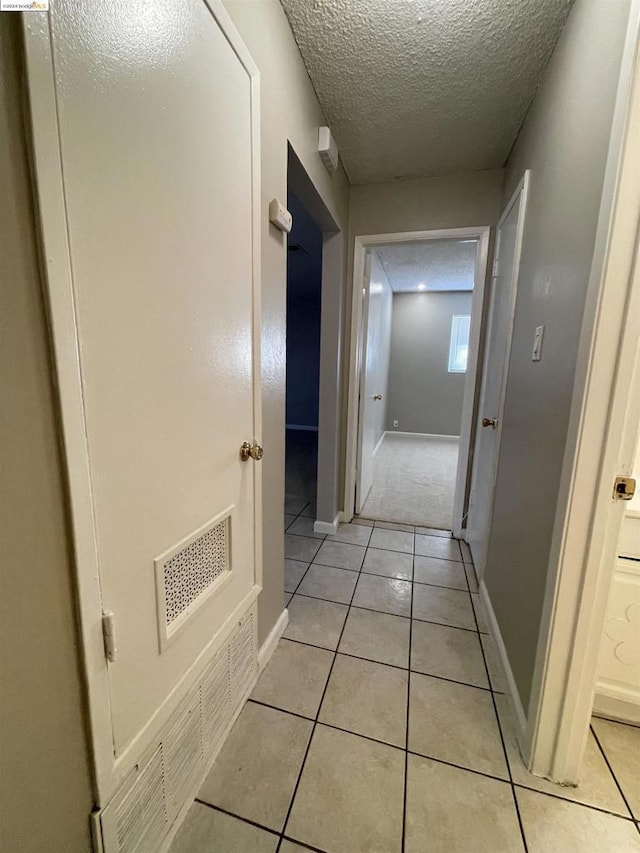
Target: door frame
[[603, 428], [361, 244], [521, 191], [49, 189]]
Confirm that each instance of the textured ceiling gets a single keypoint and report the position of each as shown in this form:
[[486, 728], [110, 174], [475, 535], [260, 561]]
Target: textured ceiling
[[424, 87], [436, 264]]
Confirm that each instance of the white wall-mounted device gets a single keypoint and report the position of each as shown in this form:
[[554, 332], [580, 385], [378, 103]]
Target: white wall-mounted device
[[280, 216], [327, 149], [536, 355]]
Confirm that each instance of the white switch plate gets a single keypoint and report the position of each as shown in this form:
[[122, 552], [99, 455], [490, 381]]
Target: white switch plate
[[536, 355]]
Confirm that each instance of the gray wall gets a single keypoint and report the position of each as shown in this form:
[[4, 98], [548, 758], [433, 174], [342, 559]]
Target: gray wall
[[564, 141], [45, 788], [379, 343], [423, 395]]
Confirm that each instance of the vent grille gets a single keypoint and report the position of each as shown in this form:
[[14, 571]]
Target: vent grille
[[191, 571], [139, 816]]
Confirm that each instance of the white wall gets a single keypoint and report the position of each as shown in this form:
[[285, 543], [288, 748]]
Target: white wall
[[564, 141], [379, 342], [290, 113], [423, 396]]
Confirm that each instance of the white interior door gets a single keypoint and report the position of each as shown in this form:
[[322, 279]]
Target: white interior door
[[371, 397], [498, 343], [157, 122]]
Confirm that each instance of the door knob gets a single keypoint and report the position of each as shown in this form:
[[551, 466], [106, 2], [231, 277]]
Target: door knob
[[248, 451], [492, 422], [377, 397]]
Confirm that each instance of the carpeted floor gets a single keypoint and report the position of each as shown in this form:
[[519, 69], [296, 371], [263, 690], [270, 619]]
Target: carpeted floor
[[414, 481]]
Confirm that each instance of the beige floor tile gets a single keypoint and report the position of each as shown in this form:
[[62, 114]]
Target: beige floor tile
[[392, 540], [621, 744], [328, 582], [352, 534], [341, 556], [472, 578], [447, 652], [303, 548], [378, 636], [466, 552], [293, 573], [559, 826], [294, 678], [310, 510], [446, 606], [385, 594], [455, 723], [366, 522], [456, 811], [434, 531], [440, 573], [394, 525], [257, 768], [597, 786], [368, 699], [390, 564], [303, 526], [493, 664], [478, 609], [350, 797], [316, 622], [288, 519], [438, 546], [205, 829], [290, 847]]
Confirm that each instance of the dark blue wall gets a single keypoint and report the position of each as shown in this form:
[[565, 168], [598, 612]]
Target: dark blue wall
[[304, 274]]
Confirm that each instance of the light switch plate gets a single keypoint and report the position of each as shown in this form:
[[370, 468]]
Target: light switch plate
[[536, 355]]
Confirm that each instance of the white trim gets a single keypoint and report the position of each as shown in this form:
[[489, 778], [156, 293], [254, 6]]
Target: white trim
[[603, 427], [423, 435], [330, 528], [269, 645], [616, 705], [50, 191], [520, 195], [302, 427], [503, 659], [361, 244], [379, 444]]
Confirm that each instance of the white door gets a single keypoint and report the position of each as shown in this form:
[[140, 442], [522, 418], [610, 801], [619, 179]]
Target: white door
[[156, 120], [498, 343], [372, 380]]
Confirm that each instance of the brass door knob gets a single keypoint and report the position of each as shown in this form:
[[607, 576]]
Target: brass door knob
[[490, 422], [248, 451]]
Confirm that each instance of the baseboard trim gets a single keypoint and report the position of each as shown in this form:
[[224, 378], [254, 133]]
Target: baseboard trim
[[378, 445], [616, 702], [269, 645], [329, 528], [422, 435], [301, 427], [512, 689]]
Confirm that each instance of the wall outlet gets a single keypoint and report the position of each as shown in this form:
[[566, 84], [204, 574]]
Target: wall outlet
[[395, 423]]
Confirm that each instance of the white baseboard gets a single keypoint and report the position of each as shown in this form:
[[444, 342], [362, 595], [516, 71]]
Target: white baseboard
[[618, 703], [330, 528], [269, 645], [345, 517], [422, 435], [302, 427], [377, 447], [512, 689]]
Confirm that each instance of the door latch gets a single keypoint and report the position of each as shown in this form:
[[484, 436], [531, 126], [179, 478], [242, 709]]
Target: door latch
[[624, 488], [109, 635]]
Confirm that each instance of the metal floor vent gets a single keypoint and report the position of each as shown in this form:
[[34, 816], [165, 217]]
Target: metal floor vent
[[139, 816]]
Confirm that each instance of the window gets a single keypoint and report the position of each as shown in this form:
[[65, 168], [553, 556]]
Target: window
[[459, 346]]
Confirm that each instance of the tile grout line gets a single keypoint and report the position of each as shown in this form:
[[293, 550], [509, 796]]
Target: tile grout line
[[615, 778], [406, 735], [315, 721], [495, 711]]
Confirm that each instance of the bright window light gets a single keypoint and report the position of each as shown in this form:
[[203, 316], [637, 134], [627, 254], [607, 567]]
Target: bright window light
[[459, 346]]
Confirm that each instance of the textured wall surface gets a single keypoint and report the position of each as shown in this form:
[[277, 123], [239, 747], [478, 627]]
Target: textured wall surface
[[45, 786], [426, 87], [564, 141], [423, 395]]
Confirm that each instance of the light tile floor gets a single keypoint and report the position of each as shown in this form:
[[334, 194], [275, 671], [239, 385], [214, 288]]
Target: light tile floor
[[380, 725]]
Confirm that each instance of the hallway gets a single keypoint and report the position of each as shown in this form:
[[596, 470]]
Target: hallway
[[380, 723]]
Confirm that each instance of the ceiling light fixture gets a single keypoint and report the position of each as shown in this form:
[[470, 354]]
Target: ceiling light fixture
[[422, 286]]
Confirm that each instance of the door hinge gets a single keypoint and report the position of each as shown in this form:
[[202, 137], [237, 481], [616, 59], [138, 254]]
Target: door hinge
[[624, 488], [496, 264], [109, 635]]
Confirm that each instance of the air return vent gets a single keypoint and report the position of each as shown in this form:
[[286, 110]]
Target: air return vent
[[140, 815], [190, 571]]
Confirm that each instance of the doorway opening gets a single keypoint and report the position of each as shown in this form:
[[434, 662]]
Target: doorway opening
[[417, 316], [304, 303]]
